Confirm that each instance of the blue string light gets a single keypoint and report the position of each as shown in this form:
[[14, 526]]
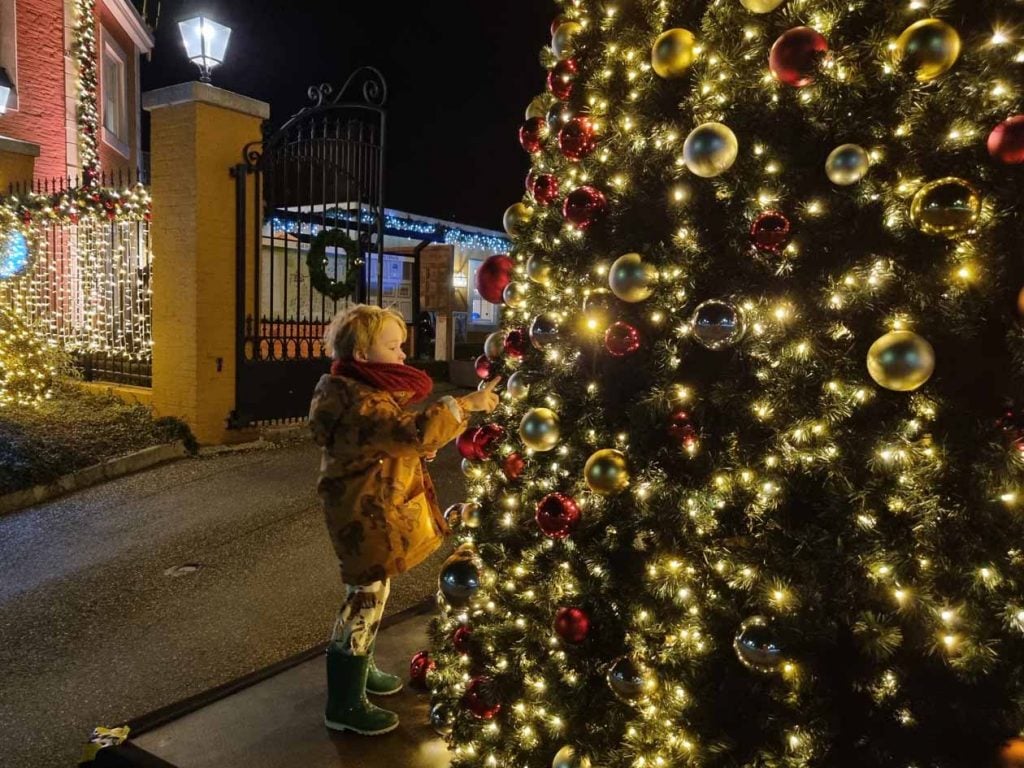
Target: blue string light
[[13, 255]]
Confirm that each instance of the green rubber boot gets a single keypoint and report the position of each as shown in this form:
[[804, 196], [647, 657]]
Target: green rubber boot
[[381, 683], [347, 706]]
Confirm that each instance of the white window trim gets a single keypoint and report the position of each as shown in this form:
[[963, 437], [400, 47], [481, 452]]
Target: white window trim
[[110, 47], [15, 96]]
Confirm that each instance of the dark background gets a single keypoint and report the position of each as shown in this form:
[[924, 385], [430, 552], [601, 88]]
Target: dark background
[[460, 74]]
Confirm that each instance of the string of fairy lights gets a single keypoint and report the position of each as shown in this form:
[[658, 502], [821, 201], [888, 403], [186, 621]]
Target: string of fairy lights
[[558, 472]]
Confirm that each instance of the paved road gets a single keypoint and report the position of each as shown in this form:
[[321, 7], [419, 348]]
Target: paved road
[[93, 630]]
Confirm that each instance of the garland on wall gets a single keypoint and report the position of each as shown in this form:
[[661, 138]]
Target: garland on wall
[[83, 49]]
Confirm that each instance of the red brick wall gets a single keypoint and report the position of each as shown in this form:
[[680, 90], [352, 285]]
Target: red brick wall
[[110, 158], [40, 118]]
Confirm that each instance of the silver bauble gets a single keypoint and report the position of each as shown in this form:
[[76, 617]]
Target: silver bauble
[[544, 330], [471, 514], [718, 324], [539, 429], [847, 164], [631, 278], [494, 345], [469, 469], [459, 579], [710, 150], [442, 718], [453, 515], [517, 386], [562, 40], [901, 361], [538, 269], [515, 294], [756, 646], [629, 679], [566, 757]]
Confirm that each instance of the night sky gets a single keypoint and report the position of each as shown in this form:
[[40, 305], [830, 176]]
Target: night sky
[[460, 74]]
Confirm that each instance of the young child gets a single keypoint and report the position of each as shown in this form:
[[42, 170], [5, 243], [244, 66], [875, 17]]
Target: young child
[[381, 509]]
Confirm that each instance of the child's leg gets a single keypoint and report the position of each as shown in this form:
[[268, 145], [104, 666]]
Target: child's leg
[[359, 617]]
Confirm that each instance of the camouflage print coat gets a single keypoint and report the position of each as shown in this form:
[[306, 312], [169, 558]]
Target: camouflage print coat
[[381, 509]]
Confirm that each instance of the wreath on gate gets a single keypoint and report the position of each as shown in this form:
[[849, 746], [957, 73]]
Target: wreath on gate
[[316, 260]]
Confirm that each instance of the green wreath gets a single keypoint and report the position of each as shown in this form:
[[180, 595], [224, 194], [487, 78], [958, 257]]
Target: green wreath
[[316, 260]]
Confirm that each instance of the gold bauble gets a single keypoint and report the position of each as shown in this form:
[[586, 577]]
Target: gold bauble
[[607, 472], [673, 53], [538, 269], [1020, 302], [567, 757], [562, 40], [516, 217], [539, 105], [761, 6], [847, 164], [710, 150], [946, 207], [901, 361], [597, 310], [515, 294], [539, 429], [1012, 754], [631, 278], [929, 47]]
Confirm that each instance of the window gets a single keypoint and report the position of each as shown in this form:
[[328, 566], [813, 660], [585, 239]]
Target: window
[[481, 311], [114, 97], [9, 49]]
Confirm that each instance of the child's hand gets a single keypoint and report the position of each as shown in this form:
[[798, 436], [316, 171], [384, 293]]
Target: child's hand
[[484, 399]]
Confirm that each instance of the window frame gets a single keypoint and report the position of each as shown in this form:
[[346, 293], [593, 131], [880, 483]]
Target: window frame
[[9, 58], [113, 51]]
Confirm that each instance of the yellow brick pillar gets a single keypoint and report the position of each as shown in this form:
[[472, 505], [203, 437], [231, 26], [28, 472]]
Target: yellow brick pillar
[[197, 135], [17, 162]]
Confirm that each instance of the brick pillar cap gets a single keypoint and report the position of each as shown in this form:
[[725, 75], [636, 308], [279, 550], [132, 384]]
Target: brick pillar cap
[[18, 147], [187, 93]]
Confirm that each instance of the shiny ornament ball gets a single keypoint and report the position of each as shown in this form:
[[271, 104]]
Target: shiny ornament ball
[[442, 719], [682, 429], [1020, 302], [543, 188], [545, 330], [539, 429], [419, 666], [469, 469], [532, 134], [578, 138], [631, 278], [459, 579], [567, 757], [562, 41], [486, 440], [493, 275], [901, 361], [607, 472], [584, 206], [538, 269], [562, 77], [761, 6], [470, 515], [630, 680], [673, 53], [770, 231], [516, 343], [947, 207], [718, 324], [1012, 754], [572, 624], [494, 345], [757, 647], [538, 106], [847, 164], [929, 48], [466, 444], [1006, 142], [557, 515], [517, 216], [453, 515], [710, 150], [558, 115], [597, 309], [515, 294], [513, 466], [621, 339], [518, 386], [480, 698], [462, 639], [795, 56], [556, 23], [483, 367]]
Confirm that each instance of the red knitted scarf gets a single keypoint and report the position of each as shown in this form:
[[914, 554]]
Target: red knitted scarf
[[391, 377]]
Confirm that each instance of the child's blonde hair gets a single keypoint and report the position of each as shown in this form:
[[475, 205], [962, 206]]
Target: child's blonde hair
[[355, 328]]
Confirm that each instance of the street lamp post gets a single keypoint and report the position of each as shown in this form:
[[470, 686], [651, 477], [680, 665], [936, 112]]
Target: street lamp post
[[206, 43]]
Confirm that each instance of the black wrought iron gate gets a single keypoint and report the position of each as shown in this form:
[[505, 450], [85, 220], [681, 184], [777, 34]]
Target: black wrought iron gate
[[323, 169]]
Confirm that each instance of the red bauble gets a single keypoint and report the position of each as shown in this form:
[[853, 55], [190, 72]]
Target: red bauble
[[461, 639], [480, 698], [486, 440], [532, 134], [513, 466], [578, 138], [572, 625], [557, 515], [1012, 425], [466, 444], [561, 78], [770, 232], [419, 666], [584, 206], [492, 277], [1006, 142], [682, 430], [543, 188], [621, 339], [484, 367], [517, 341], [795, 56]]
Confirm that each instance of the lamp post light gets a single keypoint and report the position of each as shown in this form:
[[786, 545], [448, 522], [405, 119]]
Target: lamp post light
[[206, 42], [6, 86]]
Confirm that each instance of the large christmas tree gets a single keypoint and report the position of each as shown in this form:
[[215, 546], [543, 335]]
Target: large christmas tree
[[755, 494]]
